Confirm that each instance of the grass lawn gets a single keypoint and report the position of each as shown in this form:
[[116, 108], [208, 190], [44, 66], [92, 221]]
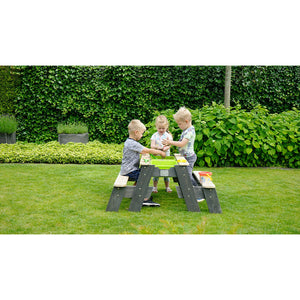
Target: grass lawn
[[71, 199]]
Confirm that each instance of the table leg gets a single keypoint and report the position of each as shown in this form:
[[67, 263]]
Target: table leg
[[115, 199], [212, 200], [187, 188], [141, 188]]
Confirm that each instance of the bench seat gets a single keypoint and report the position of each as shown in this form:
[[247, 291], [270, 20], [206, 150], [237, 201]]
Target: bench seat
[[209, 185], [121, 181]]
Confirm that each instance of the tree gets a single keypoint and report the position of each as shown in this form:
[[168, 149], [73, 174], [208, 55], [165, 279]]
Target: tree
[[227, 87]]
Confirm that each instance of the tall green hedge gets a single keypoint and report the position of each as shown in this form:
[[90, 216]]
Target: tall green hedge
[[106, 98], [276, 87]]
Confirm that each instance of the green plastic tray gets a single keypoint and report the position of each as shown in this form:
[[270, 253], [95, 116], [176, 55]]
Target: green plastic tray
[[164, 164]]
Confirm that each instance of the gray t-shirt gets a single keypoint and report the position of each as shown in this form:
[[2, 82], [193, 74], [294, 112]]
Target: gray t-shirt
[[131, 156], [188, 149]]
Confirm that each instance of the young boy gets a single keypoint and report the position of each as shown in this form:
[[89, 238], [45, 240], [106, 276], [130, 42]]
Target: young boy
[[183, 118], [131, 154]]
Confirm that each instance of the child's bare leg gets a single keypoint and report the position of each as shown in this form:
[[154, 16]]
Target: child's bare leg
[[155, 183], [167, 184]]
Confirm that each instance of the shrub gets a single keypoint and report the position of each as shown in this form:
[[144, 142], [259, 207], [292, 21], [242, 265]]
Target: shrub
[[241, 138], [8, 124], [54, 153], [72, 128]]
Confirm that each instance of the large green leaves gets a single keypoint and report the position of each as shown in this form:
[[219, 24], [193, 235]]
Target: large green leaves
[[241, 138]]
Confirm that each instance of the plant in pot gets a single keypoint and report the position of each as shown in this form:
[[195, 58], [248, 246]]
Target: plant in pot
[[8, 127], [72, 132]]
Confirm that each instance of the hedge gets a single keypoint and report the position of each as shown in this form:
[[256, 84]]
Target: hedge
[[236, 138], [9, 81], [54, 153], [276, 87], [240, 138], [106, 98]]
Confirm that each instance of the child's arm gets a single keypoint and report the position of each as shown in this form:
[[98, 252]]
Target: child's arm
[[153, 151], [174, 143], [164, 148], [153, 145]]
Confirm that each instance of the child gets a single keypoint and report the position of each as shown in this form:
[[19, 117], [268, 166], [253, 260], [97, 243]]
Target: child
[[161, 124], [183, 118], [131, 154]]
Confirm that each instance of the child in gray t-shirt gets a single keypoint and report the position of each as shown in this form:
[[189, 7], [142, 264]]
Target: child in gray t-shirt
[[131, 154]]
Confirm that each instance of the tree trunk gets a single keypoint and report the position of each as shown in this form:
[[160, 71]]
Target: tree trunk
[[227, 87]]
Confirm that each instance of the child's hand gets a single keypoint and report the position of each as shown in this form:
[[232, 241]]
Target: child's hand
[[163, 154], [166, 142]]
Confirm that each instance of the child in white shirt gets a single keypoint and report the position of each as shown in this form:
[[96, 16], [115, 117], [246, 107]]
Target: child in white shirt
[[161, 124]]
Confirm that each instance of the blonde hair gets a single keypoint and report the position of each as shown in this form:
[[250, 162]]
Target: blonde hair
[[161, 120], [183, 114], [136, 125]]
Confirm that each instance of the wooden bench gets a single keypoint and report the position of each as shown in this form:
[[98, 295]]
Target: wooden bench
[[209, 193], [121, 181], [197, 177], [137, 193]]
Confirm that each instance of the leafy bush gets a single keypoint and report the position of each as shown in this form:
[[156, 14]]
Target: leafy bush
[[107, 98], [72, 128], [54, 153], [241, 138], [8, 124]]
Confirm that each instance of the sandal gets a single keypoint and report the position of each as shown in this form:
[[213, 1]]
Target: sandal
[[154, 190]]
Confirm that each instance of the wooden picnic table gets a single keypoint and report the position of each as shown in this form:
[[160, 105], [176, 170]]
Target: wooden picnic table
[[141, 190]]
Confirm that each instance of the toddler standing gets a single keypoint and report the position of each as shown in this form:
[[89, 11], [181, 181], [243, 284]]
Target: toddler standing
[[162, 125]]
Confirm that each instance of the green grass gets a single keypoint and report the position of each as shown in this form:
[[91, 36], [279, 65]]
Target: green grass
[[71, 199]]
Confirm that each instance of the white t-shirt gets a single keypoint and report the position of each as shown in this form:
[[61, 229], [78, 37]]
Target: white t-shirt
[[158, 140]]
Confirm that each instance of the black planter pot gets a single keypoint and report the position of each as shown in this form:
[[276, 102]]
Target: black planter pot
[[6, 138], [64, 138]]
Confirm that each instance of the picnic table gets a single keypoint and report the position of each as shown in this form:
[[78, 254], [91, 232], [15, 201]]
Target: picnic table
[[179, 172]]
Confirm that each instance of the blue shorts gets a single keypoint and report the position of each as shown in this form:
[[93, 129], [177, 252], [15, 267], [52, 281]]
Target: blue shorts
[[134, 175]]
